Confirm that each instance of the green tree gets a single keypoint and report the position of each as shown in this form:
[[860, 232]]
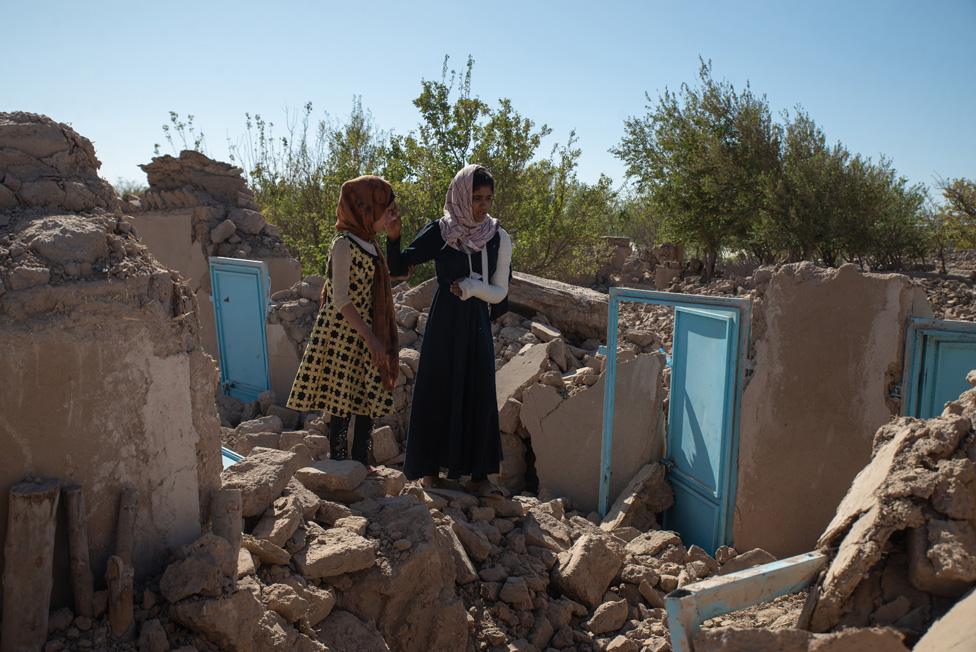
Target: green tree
[[705, 155], [958, 211], [297, 176], [555, 219]]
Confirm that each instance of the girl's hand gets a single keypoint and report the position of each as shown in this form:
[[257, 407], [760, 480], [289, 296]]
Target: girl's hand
[[376, 352], [456, 290]]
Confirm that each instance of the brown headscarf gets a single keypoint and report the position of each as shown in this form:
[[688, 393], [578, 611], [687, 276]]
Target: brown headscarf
[[362, 201]]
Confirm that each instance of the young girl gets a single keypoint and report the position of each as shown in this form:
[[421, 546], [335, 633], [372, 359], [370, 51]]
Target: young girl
[[350, 364], [454, 418]]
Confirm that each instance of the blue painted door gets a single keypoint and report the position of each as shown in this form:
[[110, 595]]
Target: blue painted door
[[942, 353], [240, 298], [701, 432]]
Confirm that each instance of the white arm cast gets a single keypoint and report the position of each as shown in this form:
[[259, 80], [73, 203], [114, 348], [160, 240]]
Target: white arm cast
[[497, 290]]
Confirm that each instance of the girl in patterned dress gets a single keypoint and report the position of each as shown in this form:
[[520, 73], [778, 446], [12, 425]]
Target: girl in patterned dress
[[351, 360]]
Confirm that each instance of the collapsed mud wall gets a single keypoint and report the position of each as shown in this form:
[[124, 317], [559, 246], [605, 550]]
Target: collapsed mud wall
[[196, 208], [103, 383], [828, 349]]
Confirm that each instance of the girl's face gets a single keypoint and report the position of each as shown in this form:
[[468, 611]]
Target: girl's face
[[481, 199], [389, 216]]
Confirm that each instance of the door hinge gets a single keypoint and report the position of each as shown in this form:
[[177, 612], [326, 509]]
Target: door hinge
[[895, 391]]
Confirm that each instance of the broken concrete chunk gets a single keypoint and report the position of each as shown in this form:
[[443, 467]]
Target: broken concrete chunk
[[332, 475], [355, 524], [152, 637], [261, 424], [590, 566], [222, 231], [286, 601], [343, 632], [247, 221], [608, 617], [516, 593], [508, 416], [229, 622], [653, 542], [646, 495], [279, 521], [330, 512], [307, 501], [22, 278], [208, 565], [265, 551], [464, 571], [336, 552], [952, 550], [544, 530], [520, 372], [475, 543], [261, 477], [385, 446], [567, 439], [544, 332]]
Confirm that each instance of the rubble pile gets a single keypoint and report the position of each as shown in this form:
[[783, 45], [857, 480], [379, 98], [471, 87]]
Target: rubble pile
[[905, 532], [45, 164], [902, 550], [330, 555], [950, 298], [226, 219], [527, 352]]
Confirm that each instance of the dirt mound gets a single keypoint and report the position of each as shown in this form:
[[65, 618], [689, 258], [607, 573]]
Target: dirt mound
[[47, 164]]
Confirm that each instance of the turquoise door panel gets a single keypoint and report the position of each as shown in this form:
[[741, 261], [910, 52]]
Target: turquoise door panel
[[941, 353], [240, 298], [700, 424], [229, 458]]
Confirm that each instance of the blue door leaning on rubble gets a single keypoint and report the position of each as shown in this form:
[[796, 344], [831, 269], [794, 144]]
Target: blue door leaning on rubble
[[939, 355], [240, 291], [701, 424]]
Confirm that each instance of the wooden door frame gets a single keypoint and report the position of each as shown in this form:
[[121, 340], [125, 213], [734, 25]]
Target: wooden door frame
[[258, 269], [917, 330], [619, 295]]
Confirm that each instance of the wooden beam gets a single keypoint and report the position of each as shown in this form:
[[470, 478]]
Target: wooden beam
[[82, 582], [689, 606], [119, 574], [28, 571]]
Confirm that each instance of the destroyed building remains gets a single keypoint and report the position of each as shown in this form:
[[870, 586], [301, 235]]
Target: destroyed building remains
[[113, 420]]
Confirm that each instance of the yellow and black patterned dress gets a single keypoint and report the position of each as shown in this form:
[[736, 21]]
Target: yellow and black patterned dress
[[337, 375]]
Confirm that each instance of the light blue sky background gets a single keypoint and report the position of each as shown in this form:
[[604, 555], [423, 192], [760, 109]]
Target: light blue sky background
[[895, 78]]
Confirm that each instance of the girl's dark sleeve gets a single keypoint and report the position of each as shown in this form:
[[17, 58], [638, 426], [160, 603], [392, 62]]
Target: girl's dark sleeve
[[425, 246]]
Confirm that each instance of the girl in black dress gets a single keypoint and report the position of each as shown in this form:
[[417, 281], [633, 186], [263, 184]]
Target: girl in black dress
[[454, 417]]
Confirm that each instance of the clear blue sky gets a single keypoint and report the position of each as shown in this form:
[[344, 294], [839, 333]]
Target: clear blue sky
[[895, 78]]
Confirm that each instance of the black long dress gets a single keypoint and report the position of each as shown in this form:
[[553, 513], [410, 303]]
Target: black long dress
[[454, 417]]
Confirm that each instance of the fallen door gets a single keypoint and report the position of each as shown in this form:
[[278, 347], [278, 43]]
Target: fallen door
[[701, 432], [939, 355], [240, 298]]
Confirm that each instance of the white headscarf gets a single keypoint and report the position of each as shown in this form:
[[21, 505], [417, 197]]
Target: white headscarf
[[458, 227]]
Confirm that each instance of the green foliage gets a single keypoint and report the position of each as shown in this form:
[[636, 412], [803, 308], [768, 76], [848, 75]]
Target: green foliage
[[957, 216], [704, 156], [124, 187], [555, 220], [181, 134], [711, 168], [722, 175], [296, 176]]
